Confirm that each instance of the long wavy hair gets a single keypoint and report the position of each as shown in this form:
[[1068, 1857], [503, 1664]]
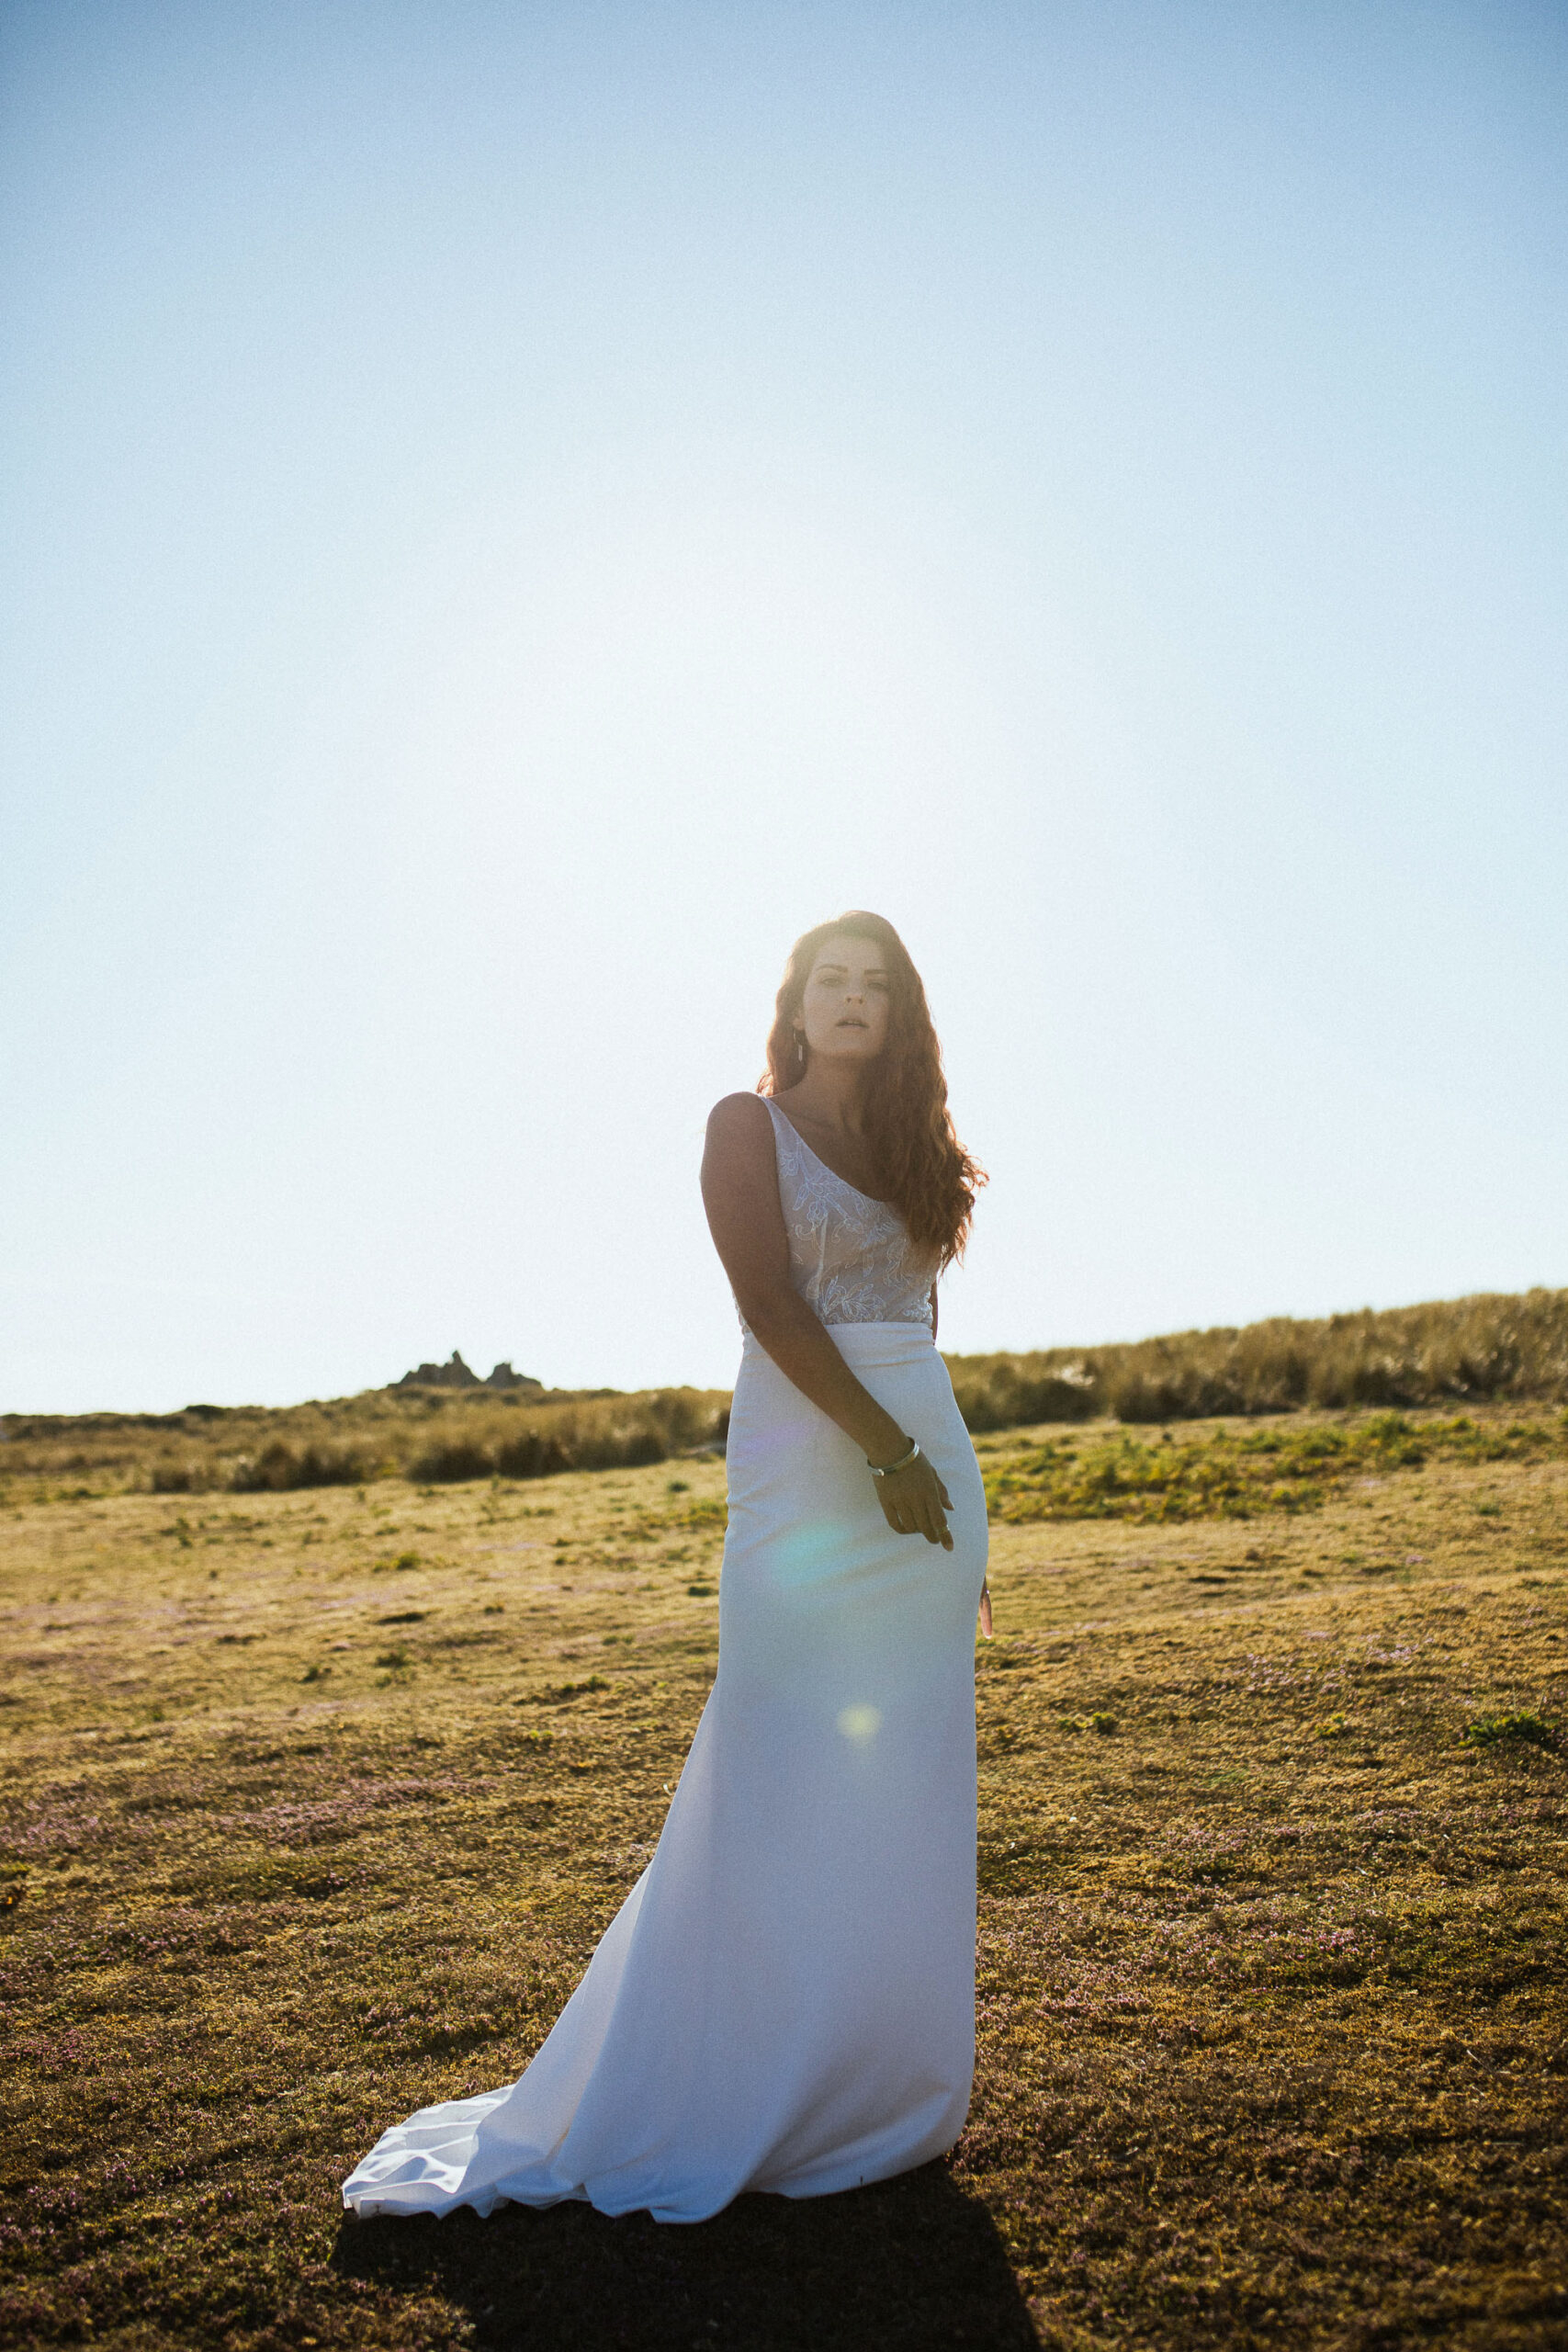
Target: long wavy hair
[[922, 1166]]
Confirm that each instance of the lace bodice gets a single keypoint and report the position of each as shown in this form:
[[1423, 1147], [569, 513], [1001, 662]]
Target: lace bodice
[[850, 1257]]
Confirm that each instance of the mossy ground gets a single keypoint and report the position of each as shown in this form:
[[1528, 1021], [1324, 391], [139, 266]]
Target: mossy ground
[[316, 1803]]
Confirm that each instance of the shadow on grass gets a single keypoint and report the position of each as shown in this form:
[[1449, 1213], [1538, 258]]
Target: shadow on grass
[[907, 2266]]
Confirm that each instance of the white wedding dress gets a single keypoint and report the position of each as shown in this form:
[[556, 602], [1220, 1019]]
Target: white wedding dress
[[786, 2000]]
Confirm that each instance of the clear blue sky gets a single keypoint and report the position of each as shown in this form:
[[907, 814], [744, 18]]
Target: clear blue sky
[[510, 511]]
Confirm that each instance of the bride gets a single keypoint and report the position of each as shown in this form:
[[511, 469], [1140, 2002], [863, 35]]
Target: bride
[[786, 2000]]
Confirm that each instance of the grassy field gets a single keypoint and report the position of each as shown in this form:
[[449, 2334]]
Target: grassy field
[[315, 1803], [1457, 1352]]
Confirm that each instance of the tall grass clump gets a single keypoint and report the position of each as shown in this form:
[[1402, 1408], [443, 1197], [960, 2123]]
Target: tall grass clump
[[1009, 1392], [1492, 1346], [279, 1467], [613, 1433], [434, 1435]]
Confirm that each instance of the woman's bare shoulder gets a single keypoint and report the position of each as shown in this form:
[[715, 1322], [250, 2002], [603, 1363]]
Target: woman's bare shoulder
[[739, 1165], [739, 1117]]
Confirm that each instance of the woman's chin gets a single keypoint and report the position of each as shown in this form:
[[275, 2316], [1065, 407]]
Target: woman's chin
[[847, 1045]]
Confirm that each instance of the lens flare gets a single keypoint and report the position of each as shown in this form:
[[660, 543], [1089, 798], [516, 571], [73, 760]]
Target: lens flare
[[860, 1724]]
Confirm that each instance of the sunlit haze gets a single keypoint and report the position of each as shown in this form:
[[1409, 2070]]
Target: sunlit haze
[[512, 512]]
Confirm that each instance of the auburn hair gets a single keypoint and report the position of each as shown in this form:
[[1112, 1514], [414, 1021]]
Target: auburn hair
[[922, 1166]]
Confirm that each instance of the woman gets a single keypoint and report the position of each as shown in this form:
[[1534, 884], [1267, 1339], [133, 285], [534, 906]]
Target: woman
[[785, 1999]]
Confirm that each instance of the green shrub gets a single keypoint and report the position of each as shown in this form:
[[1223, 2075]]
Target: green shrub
[[1488, 1731], [1235, 1472]]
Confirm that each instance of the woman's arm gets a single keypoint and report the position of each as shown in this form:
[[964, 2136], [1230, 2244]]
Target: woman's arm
[[987, 1627], [740, 1194]]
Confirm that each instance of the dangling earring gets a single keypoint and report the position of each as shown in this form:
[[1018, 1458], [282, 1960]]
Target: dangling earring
[[800, 1045]]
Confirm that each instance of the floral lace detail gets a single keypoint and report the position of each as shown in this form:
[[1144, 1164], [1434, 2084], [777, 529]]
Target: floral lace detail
[[850, 1257]]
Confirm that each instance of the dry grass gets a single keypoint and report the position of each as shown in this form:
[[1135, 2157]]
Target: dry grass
[[315, 1805], [1491, 1347], [427, 1435], [1469, 1350]]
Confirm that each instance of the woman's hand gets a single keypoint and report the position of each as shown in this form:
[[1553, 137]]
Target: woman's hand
[[915, 1503]]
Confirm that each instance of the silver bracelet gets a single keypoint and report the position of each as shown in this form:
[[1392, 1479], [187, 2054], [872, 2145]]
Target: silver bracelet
[[888, 1467]]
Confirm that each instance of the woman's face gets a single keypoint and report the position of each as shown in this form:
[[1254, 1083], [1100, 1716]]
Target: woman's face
[[845, 1007]]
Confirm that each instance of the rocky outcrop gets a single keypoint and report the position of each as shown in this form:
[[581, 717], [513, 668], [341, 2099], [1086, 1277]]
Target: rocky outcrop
[[456, 1374]]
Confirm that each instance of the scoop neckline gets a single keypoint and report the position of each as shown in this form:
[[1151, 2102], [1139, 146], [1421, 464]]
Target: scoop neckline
[[822, 1163]]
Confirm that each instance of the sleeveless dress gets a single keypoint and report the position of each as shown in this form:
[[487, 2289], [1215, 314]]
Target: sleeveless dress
[[786, 2000]]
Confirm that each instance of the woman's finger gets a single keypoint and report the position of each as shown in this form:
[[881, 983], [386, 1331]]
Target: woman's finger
[[915, 1502]]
